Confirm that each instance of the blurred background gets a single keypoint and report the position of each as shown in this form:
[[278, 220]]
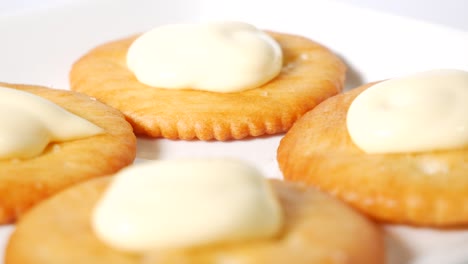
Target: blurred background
[[446, 12], [452, 13], [40, 50]]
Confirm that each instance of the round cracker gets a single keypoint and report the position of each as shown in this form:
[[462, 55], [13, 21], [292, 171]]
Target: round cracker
[[25, 182], [311, 73], [426, 188], [318, 229]]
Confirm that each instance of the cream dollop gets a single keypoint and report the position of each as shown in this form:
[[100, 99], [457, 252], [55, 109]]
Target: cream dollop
[[218, 57], [30, 123], [183, 203], [422, 112]]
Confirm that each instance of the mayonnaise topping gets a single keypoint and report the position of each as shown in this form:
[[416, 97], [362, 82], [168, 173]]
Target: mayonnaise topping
[[422, 112], [217, 57], [30, 123], [184, 203]]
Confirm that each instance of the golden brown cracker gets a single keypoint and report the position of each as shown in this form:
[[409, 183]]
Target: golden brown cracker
[[426, 188], [311, 73], [318, 229], [24, 182]]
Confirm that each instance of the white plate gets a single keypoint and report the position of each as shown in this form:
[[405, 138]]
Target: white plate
[[39, 48]]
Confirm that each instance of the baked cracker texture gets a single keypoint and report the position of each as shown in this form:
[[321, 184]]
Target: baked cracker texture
[[311, 73], [25, 182], [423, 189], [318, 229]]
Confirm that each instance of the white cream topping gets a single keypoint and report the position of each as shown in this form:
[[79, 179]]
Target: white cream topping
[[217, 57], [183, 203], [422, 112], [30, 123]]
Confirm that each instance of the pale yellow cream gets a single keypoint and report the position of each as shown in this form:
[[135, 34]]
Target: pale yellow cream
[[29, 123], [184, 203], [218, 57], [422, 112]]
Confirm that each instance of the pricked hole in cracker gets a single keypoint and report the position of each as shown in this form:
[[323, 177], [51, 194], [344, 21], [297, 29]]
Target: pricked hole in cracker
[[304, 56], [38, 186], [71, 165], [414, 202], [351, 196], [433, 166], [390, 203], [340, 257], [288, 67], [56, 148], [368, 201]]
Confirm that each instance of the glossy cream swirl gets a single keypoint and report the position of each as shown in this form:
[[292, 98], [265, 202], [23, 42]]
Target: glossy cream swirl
[[421, 112], [217, 57], [30, 123], [185, 203]]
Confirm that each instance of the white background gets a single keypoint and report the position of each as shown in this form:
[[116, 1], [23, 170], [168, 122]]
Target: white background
[[453, 13], [446, 12], [39, 49]]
